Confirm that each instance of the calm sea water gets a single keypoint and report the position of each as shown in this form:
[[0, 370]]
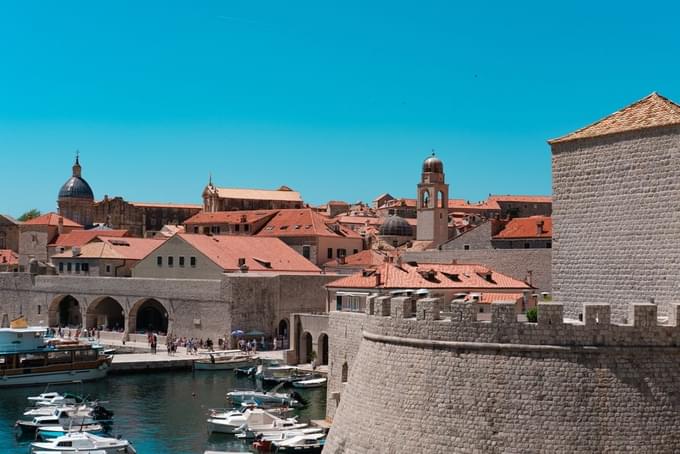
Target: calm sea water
[[160, 412]]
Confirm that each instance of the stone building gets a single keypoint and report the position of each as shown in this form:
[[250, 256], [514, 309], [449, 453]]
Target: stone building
[[522, 206], [516, 233], [76, 201], [396, 231], [229, 222], [229, 199], [9, 233], [608, 178], [9, 261], [38, 233], [433, 203]]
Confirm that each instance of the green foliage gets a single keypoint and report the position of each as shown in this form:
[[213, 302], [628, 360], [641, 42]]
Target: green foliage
[[532, 315], [30, 214]]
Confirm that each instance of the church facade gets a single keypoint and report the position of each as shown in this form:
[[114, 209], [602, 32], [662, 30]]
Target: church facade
[[76, 201]]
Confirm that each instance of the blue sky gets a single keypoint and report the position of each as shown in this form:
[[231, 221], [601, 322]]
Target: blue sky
[[339, 100]]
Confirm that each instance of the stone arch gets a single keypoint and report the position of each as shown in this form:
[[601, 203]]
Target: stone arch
[[106, 313], [306, 347], [322, 346], [441, 199], [283, 332], [425, 199], [345, 372], [149, 314], [65, 310]]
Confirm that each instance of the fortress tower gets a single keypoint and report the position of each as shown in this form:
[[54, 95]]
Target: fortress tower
[[433, 203]]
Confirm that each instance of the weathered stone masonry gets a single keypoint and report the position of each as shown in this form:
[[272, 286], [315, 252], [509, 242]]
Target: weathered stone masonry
[[452, 384]]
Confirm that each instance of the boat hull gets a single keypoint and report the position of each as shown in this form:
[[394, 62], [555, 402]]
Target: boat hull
[[217, 365], [42, 378]]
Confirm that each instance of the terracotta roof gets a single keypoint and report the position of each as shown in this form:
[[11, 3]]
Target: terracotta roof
[[10, 219], [368, 258], [411, 203], [652, 111], [489, 297], [337, 202], [169, 230], [165, 205], [81, 237], [386, 194], [303, 222], [363, 220], [51, 219], [521, 198], [429, 276], [462, 205], [281, 194], [115, 248], [261, 254], [8, 257], [526, 228], [230, 217]]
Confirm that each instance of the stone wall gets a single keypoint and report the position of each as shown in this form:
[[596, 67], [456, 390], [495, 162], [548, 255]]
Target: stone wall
[[478, 237], [517, 263], [435, 383], [616, 220]]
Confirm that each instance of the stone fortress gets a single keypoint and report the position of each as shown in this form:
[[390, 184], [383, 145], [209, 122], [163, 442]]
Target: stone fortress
[[598, 372]]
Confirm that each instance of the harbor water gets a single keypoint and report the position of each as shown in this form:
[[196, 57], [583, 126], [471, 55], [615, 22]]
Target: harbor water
[[159, 412]]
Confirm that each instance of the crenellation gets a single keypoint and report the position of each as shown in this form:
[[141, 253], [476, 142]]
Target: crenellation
[[596, 314], [503, 313], [644, 315], [550, 314], [401, 307], [383, 306], [427, 309], [463, 312]]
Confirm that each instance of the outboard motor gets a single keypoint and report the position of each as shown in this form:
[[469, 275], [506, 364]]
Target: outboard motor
[[295, 395], [101, 414]]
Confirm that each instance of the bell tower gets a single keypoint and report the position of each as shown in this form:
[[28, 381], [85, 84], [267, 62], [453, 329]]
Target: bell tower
[[433, 203]]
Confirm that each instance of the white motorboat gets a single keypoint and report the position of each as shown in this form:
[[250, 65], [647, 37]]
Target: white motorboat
[[278, 435], [236, 421], [266, 399], [47, 411], [49, 432], [64, 418], [44, 396], [302, 444], [59, 399], [311, 383], [224, 360], [82, 442]]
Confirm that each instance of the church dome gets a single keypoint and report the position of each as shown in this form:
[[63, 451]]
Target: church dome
[[76, 187], [395, 226], [433, 165]]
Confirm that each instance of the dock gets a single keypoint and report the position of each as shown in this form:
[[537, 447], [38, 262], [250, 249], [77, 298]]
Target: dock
[[137, 362]]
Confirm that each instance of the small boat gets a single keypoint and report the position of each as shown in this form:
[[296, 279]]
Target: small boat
[[236, 421], [267, 399], [44, 396], [224, 360], [61, 417], [83, 442], [247, 371], [47, 411], [49, 432], [302, 444], [59, 399], [277, 435], [282, 374], [311, 383]]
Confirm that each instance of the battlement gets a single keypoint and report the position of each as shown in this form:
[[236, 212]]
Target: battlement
[[431, 319]]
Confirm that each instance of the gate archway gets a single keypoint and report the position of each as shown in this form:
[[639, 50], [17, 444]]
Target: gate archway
[[149, 315], [106, 313], [323, 349], [65, 311]]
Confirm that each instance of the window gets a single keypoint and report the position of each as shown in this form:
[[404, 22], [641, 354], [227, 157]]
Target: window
[[192, 261], [78, 267], [466, 247], [338, 303], [206, 230], [38, 309], [85, 267], [68, 267], [181, 261], [548, 244], [108, 268], [196, 229], [356, 251], [306, 252], [61, 267], [215, 229], [330, 252], [236, 227], [345, 373], [171, 261], [341, 253], [527, 245], [159, 261], [246, 227]]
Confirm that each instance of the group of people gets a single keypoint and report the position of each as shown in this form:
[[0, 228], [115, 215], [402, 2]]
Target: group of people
[[191, 344], [249, 347], [75, 333]]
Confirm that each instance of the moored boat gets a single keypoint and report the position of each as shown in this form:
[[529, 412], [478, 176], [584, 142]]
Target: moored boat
[[28, 357], [251, 420], [224, 360], [49, 432], [302, 444], [83, 442], [311, 383], [266, 399]]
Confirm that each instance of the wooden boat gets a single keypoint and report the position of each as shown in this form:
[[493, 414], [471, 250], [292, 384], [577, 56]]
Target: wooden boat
[[224, 360], [27, 357], [311, 383]]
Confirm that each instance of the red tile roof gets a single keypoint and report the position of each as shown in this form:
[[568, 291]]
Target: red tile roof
[[51, 219], [362, 220], [521, 198], [488, 297], [230, 217], [261, 254], [281, 194], [429, 276], [368, 258], [81, 237], [304, 222], [166, 205], [115, 248], [521, 228], [651, 111], [462, 205], [411, 203], [8, 257]]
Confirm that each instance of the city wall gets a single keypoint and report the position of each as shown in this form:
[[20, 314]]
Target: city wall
[[428, 378]]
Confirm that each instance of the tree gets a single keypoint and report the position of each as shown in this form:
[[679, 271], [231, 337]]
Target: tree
[[30, 214], [532, 315]]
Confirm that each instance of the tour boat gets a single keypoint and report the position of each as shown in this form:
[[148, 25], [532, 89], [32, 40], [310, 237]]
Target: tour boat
[[27, 357], [266, 399], [224, 360], [82, 442], [302, 444], [311, 383], [236, 421]]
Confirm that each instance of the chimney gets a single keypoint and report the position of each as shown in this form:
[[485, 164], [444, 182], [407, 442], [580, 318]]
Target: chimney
[[377, 278], [241, 262], [539, 227], [60, 226], [75, 251]]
